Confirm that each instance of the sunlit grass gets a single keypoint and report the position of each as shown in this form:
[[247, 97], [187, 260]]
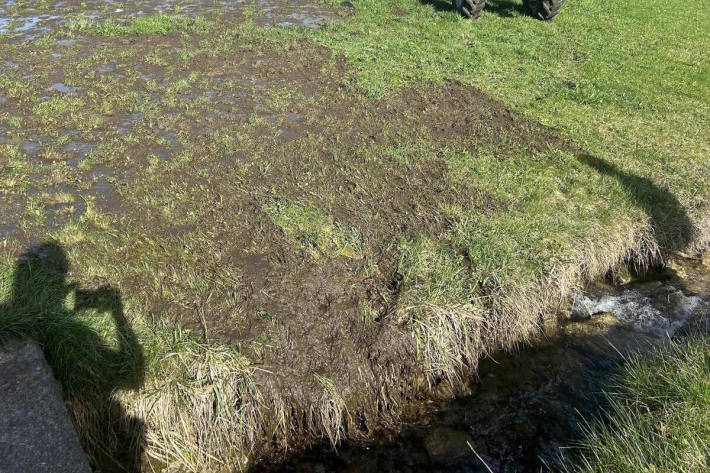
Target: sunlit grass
[[161, 24]]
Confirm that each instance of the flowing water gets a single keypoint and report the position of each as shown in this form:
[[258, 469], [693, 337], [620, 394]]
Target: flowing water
[[526, 409]]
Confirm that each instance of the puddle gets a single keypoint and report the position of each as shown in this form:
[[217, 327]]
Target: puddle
[[168, 144], [126, 124], [31, 148], [26, 27], [27, 21], [10, 210], [290, 134], [527, 407], [63, 88], [313, 21], [80, 150], [105, 196], [100, 171], [105, 68]]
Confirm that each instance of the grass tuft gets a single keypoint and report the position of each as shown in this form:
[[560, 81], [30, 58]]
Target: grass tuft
[[659, 416], [315, 231]]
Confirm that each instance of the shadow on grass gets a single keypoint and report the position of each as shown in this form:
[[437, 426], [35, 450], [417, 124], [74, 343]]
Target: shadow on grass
[[501, 8], [89, 369], [671, 225], [505, 8]]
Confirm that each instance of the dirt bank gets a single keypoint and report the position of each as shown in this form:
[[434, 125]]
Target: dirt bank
[[527, 410]]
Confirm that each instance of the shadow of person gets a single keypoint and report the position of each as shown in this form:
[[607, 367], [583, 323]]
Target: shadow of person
[[671, 225], [90, 346]]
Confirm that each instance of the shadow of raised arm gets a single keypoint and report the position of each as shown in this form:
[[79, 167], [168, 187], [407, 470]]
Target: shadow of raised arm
[[126, 364], [89, 365]]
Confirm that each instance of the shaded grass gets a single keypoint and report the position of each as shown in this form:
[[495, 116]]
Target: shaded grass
[[659, 417], [88, 342], [117, 371]]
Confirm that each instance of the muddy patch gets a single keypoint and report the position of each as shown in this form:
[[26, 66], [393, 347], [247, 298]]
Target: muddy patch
[[28, 21], [254, 198]]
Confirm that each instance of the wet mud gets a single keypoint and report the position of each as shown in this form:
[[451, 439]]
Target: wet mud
[[29, 20]]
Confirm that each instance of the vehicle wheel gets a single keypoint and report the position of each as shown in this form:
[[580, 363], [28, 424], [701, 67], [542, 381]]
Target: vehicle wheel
[[470, 8], [543, 9]]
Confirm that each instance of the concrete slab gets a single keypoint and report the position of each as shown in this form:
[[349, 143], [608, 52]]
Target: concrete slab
[[36, 433]]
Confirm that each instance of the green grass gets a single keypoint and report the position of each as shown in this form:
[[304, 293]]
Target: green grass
[[158, 23], [659, 416], [314, 231], [625, 80]]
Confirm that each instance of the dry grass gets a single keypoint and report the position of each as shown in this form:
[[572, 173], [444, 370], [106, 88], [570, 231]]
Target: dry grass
[[201, 403]]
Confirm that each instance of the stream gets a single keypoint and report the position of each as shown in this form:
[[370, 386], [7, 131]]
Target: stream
[[526, 409]]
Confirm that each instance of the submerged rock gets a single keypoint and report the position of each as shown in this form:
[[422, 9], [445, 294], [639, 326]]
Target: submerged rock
[[623, 275], [445, 445]]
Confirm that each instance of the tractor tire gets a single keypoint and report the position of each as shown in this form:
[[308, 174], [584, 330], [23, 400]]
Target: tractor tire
[[471, 9], [543, 9]]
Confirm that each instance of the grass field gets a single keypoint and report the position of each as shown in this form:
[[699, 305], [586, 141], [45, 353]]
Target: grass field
[[289, 233]]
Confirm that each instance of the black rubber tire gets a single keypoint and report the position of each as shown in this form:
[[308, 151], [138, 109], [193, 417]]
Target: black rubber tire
[[543, 9], [471, 9]]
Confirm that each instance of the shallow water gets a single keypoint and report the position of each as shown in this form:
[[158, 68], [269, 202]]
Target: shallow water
[[525, 410]]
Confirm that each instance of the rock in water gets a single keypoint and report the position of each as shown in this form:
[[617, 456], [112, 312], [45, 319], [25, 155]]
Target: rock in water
[[623, 275], [705, 258], [36, 434]]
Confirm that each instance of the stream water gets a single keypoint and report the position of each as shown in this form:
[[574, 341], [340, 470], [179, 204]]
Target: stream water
[[526, 408]]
